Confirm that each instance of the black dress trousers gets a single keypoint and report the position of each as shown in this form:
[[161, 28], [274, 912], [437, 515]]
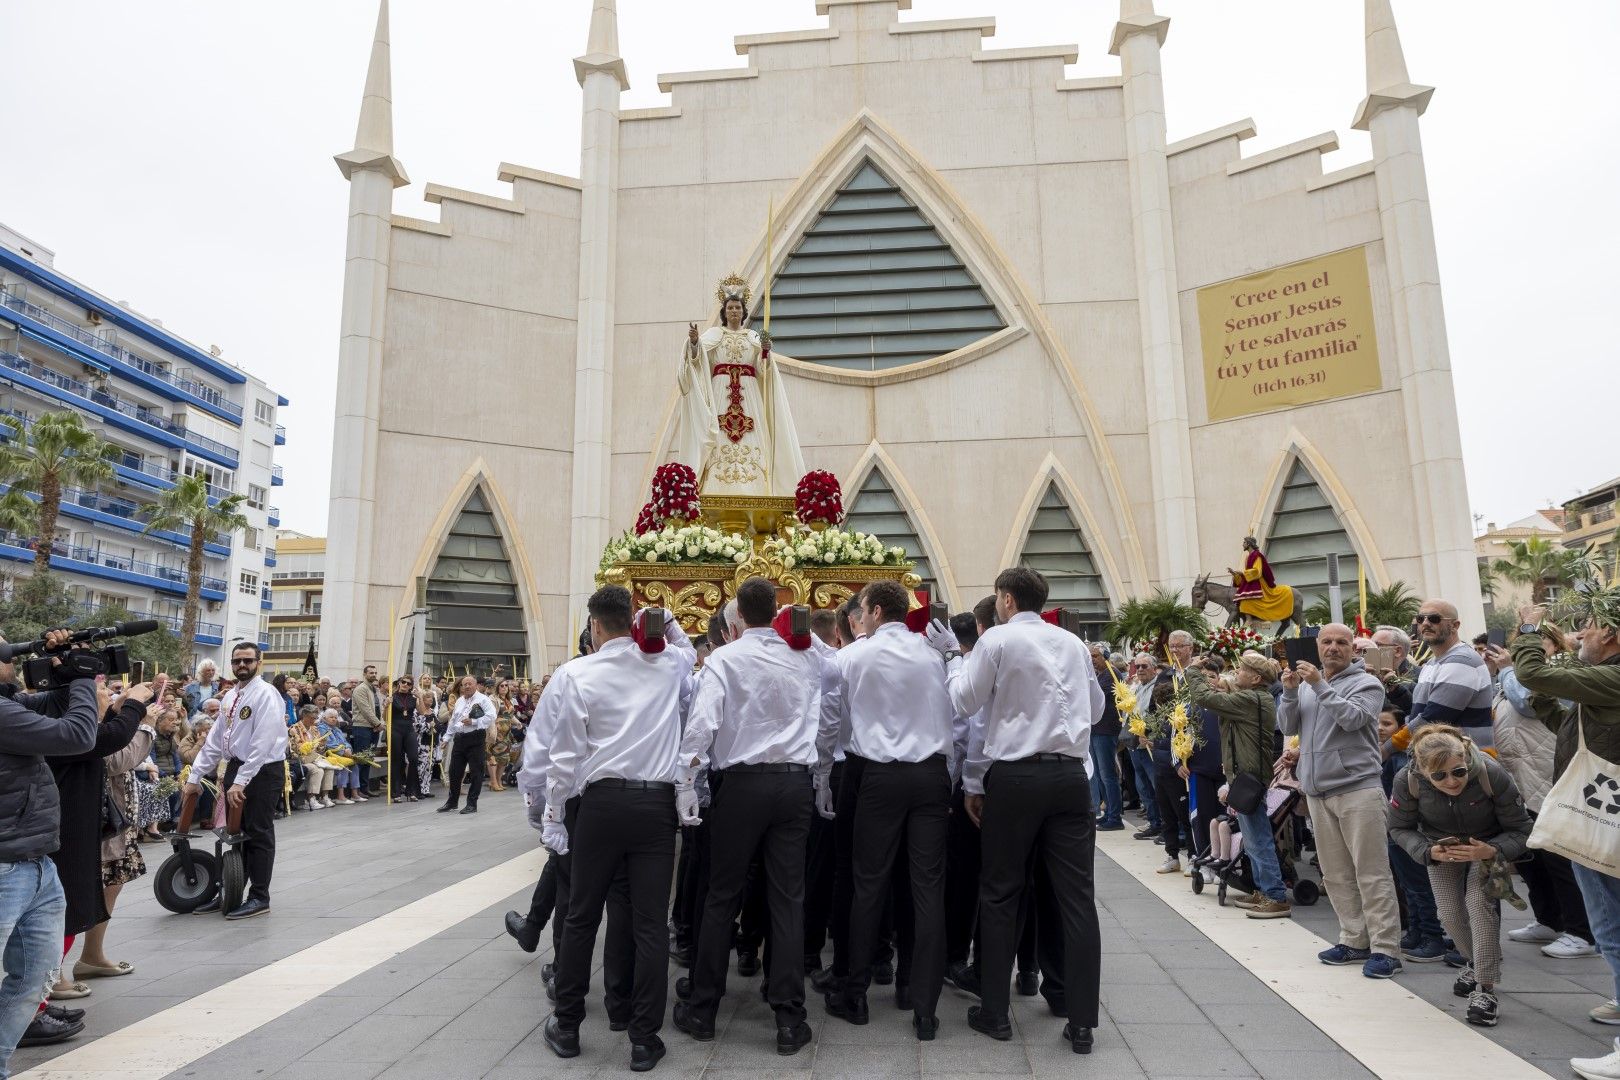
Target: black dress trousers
[[961, 882], [619, 947], [765, 808], [819, 859], [467, 753], [260, 799], [909, 801], [1039, 808], [628, 826]]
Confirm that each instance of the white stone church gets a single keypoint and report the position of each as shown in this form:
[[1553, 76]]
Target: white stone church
[[1016, 322]]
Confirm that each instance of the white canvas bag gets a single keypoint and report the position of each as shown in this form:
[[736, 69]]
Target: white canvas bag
[[1580, 817]]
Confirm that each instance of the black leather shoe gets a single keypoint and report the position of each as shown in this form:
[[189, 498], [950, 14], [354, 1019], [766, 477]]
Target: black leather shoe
[[644, 1055], [526, 933], [685, 1021], [63, 1013], [926, 1027], [46, 1029], [619, 1025], [1058, 1007], [1029, 983], [563, 1042], [447, 807], [471, 809], [964, 978], [248, 910], [209, 908], [978, 1021], [823, 981], [680, 957], [1080, 1039], [883, 972], [902, 998], [790, 1040], [548, 973], [851, 1007], [683, 988], [748, 964]]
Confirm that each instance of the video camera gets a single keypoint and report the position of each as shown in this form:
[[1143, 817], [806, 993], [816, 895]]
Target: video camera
[[42, 674]]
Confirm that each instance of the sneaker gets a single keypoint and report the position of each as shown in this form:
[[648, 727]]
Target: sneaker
[[1171, 865], [1466, 984], [1243, 900], [1606, 1013], [1380, 966], [1145, 834], [360, 798], [1209, 875], [341, 801], [1535, 934], [1482, 1008], [1424, 952], [1344, 955], [1267, 908], [1568, 947], [1455, 959], [1606, 1067], [316, 804], [326, 800]]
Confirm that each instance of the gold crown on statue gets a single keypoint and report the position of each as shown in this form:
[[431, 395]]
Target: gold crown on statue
[[733, 288]]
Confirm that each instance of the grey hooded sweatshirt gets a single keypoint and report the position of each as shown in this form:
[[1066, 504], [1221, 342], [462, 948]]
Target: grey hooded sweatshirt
[[1337, 724]]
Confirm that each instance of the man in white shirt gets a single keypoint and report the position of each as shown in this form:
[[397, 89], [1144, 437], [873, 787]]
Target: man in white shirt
[[615, 743], [470, 717], [900, 729], [251, 738], [844, 782], [756, 722], [1027, 786]]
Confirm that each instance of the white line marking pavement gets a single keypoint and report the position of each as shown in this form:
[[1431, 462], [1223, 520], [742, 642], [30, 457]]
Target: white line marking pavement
[[152, 1048], [1351, 1010]]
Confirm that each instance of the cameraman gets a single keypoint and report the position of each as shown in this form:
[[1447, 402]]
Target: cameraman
[[31, 900]]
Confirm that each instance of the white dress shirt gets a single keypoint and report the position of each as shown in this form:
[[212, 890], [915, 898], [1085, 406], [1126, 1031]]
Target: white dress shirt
[[461, 718], [531, 778], [758, 701], [895, 699], [1038, 692], [619, 714], [252, 728]]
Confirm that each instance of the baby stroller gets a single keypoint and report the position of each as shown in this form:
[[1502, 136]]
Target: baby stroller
[[1283, 799]]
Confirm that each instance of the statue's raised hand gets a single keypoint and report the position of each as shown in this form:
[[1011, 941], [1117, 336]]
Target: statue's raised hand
[[692, 333]]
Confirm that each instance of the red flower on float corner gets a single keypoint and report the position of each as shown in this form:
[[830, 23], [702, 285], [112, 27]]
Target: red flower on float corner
[[818, 498], [646, 522], [674, 494]]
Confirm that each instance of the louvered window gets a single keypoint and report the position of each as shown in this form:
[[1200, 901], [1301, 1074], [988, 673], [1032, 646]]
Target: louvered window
[[475, 617], [1056, 547], [873, 285], [1304, 530], [876, 509]]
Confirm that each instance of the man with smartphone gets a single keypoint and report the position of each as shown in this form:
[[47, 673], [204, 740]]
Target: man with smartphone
[[470, 718]]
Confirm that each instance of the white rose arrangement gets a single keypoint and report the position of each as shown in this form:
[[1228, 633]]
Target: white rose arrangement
[[832, 547], [691, 544]]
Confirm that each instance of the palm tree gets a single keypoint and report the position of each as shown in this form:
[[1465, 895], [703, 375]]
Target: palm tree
[[19, 515], [58, 452], [1487, 581], [185, 506], [1154, 618], [1539, 563], [1393, 606]]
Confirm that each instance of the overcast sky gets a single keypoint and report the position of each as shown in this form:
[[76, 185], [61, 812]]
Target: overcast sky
[[178, 154]]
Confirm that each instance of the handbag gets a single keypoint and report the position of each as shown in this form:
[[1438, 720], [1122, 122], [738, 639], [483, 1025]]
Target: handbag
[[113, 819], [1244, 793], [1580, 816]]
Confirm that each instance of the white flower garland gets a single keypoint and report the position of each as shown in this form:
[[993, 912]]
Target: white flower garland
[[692, 544], [832, 547]]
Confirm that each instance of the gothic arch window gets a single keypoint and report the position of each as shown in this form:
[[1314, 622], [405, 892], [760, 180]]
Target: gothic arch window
[[1305, 529], [873, 285], [1057, 548], [876, 509], [475, 615]]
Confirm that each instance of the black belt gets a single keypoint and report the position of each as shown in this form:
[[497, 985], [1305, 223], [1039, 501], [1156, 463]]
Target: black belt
[[931, 759], [771, 766], [632, 785], [1048, 757]]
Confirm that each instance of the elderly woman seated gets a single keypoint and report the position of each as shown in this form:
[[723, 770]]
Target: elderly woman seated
[[309, 745], [346, 782]]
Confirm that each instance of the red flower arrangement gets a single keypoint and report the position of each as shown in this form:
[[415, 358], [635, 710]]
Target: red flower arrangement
[[1231, 642], [674, 493], [645, 522], [818, 498]]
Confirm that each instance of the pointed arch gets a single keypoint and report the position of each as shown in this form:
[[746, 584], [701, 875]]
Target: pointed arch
[[1052, 477], [877, 462], [867, 137], [477, 481], [1300, 493]]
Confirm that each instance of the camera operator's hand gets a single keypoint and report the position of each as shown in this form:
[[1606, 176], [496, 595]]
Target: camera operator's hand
[[236, 796], [104, 696], [56, 640], [141, 692]]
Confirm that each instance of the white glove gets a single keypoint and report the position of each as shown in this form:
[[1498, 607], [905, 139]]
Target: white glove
[[824, 802], [554, 835], [686, 804], [940, 637]]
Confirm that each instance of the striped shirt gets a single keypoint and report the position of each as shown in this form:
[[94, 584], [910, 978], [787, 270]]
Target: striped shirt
[[1455, 689]]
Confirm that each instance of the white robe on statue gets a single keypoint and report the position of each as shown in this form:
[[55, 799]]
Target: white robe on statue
[[734, 427]]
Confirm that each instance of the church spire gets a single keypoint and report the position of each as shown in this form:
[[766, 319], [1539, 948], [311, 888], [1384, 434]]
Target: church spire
[[374, 135], [602, 46], [1388, 84], [1135, 17]]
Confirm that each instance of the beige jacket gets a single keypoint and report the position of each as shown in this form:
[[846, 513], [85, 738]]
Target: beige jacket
[[119, 766], [1525, 747]]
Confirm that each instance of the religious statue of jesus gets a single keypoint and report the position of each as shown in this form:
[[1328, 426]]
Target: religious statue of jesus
[[734, 427]]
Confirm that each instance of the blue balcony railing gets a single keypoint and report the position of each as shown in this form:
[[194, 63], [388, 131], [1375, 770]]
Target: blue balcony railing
[[274, 514], [276, 479], [80, 389], [281, 435], [129, 565], [204, 629], [200, 391]]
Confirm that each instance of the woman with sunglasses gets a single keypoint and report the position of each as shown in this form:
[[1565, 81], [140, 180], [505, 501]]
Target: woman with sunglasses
[[1454, 810]]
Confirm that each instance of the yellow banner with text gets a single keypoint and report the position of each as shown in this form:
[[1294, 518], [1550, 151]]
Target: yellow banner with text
[[1289, 336]]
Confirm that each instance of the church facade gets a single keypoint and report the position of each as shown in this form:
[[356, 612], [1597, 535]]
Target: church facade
[[1014, 320]]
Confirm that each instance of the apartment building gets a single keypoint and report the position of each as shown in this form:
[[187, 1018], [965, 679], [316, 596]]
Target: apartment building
[[296, 584]]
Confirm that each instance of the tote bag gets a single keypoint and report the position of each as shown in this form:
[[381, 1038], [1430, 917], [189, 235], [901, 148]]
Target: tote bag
[[1580, 817]]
